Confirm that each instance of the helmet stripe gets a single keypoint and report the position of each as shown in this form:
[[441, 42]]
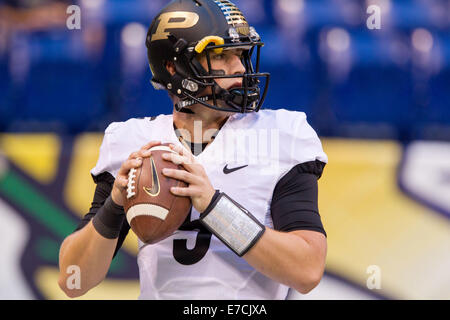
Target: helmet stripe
[[232, 13]]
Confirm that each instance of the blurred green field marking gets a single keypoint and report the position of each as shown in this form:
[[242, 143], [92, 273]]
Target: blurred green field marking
[[31, 201], [24, 196]]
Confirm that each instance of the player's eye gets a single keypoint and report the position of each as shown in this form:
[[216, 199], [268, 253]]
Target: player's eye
[[219, 56]]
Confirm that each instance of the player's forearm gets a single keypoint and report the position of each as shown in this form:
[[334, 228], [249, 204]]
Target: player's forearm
[[91, 254], [289, 259]]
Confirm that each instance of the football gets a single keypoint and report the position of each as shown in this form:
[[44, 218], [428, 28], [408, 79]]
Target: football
[[152, 211]]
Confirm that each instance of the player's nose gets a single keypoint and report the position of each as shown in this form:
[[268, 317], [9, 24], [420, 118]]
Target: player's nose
[[237, 66]]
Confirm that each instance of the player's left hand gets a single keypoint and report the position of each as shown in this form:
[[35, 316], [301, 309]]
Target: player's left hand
[[200, 189]]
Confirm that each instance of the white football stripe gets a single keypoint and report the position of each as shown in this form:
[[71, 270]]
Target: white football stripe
[[146, 209], [162, 148]]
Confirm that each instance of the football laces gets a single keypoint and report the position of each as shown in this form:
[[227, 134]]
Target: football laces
[[131, 187]]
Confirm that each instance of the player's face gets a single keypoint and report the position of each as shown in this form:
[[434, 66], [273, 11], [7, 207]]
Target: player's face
[[226, 63]]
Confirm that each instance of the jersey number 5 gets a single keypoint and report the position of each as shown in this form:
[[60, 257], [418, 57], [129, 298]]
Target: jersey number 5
[[191, 256]]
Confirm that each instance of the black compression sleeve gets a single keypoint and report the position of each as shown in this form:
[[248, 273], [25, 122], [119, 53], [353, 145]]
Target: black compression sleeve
[[103, 189], [294, 203]]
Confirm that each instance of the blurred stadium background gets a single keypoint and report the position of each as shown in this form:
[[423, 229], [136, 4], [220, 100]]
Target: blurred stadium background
[[379, 99]]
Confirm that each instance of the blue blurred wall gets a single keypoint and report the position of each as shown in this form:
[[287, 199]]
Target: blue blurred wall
[[351, 81]]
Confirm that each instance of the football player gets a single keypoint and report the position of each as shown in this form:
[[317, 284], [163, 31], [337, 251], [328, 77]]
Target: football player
[[254, 230]]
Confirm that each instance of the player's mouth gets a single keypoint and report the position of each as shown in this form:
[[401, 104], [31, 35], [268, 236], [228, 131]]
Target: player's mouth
[[235, 85]]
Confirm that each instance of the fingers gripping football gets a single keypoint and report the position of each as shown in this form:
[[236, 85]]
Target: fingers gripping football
[[200, 189], [133, 162]]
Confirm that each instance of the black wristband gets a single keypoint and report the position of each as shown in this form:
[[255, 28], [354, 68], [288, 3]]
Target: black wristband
[[109, 219]]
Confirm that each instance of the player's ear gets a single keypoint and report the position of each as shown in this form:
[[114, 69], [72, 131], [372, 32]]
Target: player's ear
[[170, 66]]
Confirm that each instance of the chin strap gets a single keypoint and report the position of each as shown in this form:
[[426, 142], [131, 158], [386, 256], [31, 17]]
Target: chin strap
[[184, 110], [233, 98], [183, 105]]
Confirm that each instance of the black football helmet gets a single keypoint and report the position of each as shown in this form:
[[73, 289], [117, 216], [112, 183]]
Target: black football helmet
[[186, 28]]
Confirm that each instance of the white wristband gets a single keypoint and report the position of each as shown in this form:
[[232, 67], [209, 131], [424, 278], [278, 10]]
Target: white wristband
[[235, 226]]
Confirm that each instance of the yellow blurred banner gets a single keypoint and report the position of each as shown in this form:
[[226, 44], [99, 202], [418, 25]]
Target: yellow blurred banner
[[370, 221]]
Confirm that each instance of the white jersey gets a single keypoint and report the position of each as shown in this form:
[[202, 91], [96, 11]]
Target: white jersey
[[193, 265]]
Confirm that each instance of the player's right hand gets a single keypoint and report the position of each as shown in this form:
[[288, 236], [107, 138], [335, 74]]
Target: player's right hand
[[133, 161]]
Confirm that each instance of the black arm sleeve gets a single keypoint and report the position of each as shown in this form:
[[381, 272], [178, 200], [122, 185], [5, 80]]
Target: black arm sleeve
[[295, 199], [103, 189]]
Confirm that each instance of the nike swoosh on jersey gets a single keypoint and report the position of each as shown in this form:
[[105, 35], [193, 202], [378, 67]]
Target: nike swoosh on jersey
[[226, 170], [154, 190]]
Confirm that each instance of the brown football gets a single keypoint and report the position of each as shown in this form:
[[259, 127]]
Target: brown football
[[152, 211]]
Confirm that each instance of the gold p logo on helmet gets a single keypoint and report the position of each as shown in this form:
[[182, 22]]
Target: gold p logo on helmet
[[174, 20]]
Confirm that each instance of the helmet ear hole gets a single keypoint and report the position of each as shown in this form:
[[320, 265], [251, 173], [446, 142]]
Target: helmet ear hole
[[170, 67]]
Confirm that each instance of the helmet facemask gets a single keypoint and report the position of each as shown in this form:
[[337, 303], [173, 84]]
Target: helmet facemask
[[245, 99]]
